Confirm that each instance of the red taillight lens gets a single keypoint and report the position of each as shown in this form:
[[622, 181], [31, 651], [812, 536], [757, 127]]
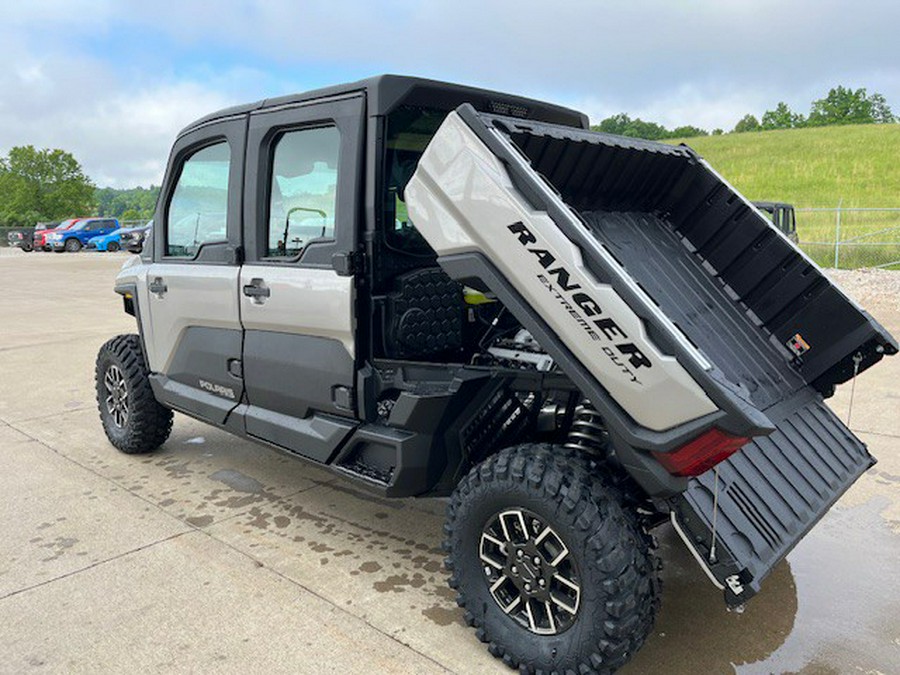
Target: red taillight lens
[[701, 454]]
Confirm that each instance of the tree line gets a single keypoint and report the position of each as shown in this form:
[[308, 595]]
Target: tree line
[[842, 105], [50, 185]]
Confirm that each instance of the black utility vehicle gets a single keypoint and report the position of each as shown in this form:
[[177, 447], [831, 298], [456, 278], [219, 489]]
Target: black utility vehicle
[[436, 290], [782, 216]]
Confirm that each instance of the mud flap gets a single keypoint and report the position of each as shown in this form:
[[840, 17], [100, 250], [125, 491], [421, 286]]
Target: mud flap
[[770, 494]]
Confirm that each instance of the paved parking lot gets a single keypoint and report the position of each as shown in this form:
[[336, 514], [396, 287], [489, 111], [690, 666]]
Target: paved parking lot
[[217, 554]]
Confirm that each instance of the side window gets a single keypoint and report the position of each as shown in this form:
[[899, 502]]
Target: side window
[[303, 190], [198, 208]]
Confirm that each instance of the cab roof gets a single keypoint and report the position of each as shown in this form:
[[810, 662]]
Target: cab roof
[[384, 93]]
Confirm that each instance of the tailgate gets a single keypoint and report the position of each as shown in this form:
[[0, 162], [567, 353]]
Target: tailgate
[[769, 496]]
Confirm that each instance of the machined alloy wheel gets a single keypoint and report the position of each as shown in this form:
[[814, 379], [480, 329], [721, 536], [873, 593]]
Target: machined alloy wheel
[[132, 418], [552, 567], [530, 572], [116, 396], [72, 245]]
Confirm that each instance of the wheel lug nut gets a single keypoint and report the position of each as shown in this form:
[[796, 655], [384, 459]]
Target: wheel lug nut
[[487, 570], [527, 587], [520, 553], [514, 569], [537, 560], [541, 583]]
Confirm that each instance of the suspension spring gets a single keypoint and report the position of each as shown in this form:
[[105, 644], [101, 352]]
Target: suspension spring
[[587, 432]]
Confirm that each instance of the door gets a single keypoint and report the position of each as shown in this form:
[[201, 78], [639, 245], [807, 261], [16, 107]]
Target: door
[[193, 341], [98, 228], [296, 291]]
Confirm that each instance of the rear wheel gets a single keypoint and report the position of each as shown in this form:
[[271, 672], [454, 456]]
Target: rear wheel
[[28, 248], [73, 245], [132, 418], [552, 572], [112, 246]]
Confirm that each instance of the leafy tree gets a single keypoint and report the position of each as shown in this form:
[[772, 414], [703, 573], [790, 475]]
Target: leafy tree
[[688, 131], [717, 132], [615, 124], [881, 111], [747, 123], [781, 118], [37, 185], [131, 204], [843, 105], [623, 125]]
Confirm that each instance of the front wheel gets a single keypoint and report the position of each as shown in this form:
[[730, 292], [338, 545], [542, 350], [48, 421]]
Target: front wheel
[[551, 570], [132, 418], [73, 245]]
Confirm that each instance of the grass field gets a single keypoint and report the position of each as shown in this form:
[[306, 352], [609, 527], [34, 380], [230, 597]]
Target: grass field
[[858, 166]]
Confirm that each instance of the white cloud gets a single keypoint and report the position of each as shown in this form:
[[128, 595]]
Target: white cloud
[[120, 133], [700, 62]]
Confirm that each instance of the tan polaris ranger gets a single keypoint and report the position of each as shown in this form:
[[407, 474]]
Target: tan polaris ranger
[[441, 291]]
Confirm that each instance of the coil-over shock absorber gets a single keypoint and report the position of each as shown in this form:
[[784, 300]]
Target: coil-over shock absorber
[[587, 432]]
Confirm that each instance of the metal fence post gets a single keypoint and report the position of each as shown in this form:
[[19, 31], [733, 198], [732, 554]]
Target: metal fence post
[[837, 234]]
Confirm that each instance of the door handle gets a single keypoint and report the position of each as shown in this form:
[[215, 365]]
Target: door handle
[[257, 290], [157, 287]]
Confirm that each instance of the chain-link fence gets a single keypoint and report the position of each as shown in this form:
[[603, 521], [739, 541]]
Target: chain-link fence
[[851, 238]]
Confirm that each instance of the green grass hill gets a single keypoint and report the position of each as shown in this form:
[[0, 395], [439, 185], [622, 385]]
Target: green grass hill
[[812, 167], [817, 168]]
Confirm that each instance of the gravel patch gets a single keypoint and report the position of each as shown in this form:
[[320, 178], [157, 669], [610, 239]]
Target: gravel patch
[[871, 288]]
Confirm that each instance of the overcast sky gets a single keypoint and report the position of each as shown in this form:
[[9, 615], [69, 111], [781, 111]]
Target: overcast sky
[[113, 81]]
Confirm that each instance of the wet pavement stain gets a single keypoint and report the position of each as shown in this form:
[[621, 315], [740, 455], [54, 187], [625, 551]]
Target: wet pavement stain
[[398, 583], [58, 547], [813, 614], [443, 615], [238, 481], [884, 477], [199, 521]]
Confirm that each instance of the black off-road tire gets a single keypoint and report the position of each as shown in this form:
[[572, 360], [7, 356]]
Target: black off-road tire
[[613, 556], [112, 246], [72, 246], [143, 425]]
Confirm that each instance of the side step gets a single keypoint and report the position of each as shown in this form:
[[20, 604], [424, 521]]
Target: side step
[[770, 494]]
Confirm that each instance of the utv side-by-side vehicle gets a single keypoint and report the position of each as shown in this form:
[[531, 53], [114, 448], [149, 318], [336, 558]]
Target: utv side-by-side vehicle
[[441, 291], [782, 216]]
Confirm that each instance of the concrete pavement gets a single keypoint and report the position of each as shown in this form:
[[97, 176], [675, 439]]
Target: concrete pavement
[[218, 554]]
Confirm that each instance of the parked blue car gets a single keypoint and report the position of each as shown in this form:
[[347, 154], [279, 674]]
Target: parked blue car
[[77, 236], [111, 241]]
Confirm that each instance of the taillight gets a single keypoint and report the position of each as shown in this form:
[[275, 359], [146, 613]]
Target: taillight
[[701, 454]]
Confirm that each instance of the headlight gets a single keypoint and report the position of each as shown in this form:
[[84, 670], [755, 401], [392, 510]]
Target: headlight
[[55, 237]]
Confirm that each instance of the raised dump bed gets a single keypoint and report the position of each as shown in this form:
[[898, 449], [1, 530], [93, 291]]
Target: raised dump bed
[[677, 308]]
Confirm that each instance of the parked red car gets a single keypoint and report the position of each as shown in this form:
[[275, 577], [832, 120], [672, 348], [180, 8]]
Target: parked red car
[[40, 236]]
